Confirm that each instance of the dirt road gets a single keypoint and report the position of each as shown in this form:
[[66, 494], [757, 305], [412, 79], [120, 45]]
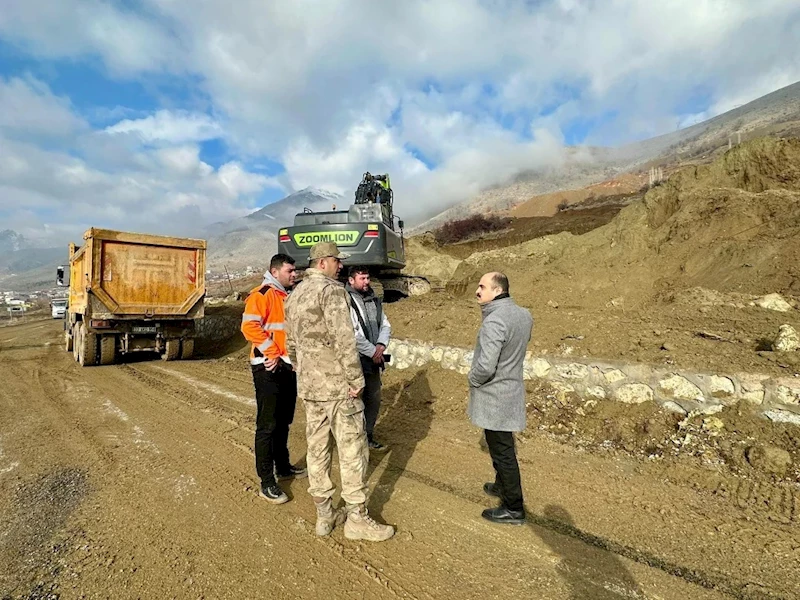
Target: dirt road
[[137, 481]]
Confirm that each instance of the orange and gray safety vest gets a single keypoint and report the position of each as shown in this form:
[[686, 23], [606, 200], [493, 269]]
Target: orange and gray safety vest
[[263, 323]]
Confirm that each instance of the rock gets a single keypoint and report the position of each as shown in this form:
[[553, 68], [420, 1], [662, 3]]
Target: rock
[[451, 358], [773, 302], [539, 367], [573, 371], [562, 389], [713, 425], [782, 416], [614, 375], [756, 398], [400, 351], [788, 391], [752, 387], [680, 388], [552, 304], [666, 346], [401, 363], [466, 363], [437, 354], [596, 392], [721, 387], [769, 459], [787, 339], [422, 355], [634, 393], [674, 407]]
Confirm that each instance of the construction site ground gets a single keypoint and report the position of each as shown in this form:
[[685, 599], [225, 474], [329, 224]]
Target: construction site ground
[[137, 480]]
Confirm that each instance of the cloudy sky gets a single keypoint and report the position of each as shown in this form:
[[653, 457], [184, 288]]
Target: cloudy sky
[[166, 115]]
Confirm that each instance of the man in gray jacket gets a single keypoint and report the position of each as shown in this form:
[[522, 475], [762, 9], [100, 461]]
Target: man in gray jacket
[[372, 331], [497, 392]]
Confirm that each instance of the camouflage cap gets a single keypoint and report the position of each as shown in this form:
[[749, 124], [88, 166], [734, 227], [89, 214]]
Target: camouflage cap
[[324, 250]]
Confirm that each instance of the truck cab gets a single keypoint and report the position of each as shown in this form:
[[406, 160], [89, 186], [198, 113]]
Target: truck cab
[[58, 308]]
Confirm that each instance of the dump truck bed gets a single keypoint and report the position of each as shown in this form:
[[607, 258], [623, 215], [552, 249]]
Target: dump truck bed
[[133, 275]]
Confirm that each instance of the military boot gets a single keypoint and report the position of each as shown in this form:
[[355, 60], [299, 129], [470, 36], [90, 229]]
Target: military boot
[[327, 516], [360, 526]]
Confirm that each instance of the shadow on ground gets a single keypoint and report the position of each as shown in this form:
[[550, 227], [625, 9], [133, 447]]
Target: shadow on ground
[[404, 421]]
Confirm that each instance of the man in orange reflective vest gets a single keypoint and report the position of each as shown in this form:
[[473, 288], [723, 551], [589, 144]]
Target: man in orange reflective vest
[[273, 376]]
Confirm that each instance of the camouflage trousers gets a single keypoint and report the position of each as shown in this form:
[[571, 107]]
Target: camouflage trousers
[[342, 421]]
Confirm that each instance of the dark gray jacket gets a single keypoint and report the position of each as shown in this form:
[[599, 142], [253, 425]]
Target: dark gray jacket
[[497, 392]]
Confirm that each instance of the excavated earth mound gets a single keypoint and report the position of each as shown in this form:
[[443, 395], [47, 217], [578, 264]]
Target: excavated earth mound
[[728, 229]]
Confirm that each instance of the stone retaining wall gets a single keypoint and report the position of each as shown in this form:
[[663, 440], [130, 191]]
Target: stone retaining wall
[[220, 326], [777, 398]]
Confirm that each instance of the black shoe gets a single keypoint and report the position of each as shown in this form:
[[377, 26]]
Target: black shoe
[[273, 494], [375, 445], [491, 490], [501, 514], [291, 472]]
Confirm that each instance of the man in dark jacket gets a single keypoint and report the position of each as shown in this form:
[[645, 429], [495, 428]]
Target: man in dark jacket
[[372, 330], [497, 392]]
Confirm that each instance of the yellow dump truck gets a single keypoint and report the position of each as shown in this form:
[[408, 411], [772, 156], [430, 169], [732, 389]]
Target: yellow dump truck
[[131, 292]]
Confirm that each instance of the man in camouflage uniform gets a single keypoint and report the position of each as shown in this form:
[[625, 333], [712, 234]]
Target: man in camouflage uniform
[[322, 347]]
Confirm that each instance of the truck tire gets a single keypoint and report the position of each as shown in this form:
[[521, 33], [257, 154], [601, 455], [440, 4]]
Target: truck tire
[[87, 352], [108, 349], [187, 349], [173, 350], [68, 345]]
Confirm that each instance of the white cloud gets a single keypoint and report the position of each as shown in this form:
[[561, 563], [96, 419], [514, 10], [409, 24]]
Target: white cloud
[[97, 179], [28, 108], [169, 127], [473, 169], [365, 147], [126, 41]]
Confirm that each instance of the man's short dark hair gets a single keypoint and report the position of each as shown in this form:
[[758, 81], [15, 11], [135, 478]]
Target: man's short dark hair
[[279, 260], [501, 281], [356, 270]]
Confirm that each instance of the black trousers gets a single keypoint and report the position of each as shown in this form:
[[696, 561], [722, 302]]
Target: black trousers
[[372, 399], [276, 395], [504, 460]]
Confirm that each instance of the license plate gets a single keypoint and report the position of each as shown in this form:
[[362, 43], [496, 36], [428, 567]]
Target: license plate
[[144, 330]]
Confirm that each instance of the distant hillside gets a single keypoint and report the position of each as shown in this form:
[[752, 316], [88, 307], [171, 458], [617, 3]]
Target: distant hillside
[[252, 240], [10, 241], [777, 113], [22, 265]]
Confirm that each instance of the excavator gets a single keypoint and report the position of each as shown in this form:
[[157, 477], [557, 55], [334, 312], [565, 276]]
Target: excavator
[[368, 231]]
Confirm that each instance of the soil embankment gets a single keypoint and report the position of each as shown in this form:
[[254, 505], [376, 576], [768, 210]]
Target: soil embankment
[[671, 279]]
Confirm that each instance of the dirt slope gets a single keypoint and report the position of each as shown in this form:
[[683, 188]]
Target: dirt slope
[[685, 260], [547, 205]]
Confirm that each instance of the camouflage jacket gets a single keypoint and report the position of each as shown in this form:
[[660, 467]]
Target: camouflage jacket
[[320, 341]]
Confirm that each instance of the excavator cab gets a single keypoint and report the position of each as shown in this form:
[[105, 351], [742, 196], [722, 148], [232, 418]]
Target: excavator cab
[[377, 189]]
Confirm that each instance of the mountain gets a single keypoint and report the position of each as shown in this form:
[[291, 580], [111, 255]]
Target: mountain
[[22, 265], [252, 240], [777, 113], [11, 241]]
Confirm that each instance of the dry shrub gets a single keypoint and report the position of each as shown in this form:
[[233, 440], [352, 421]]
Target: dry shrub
[[473, 226]]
